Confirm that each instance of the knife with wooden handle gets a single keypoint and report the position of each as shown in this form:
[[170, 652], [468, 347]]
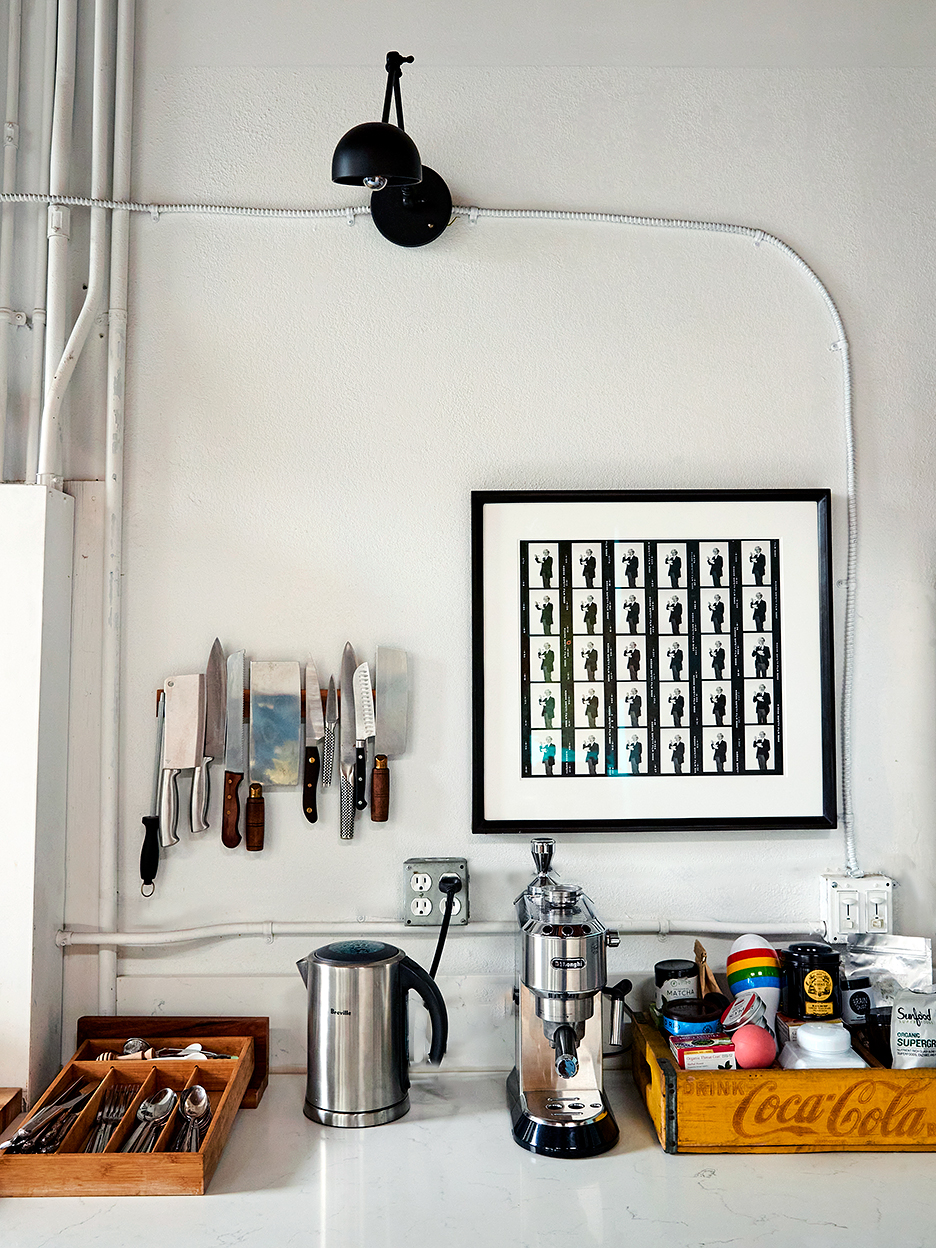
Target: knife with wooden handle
[[391, 714], [254, 818], [233, 750], [314, 732]]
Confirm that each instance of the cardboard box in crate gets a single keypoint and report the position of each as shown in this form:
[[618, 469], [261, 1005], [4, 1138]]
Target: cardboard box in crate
[[783, 1111]]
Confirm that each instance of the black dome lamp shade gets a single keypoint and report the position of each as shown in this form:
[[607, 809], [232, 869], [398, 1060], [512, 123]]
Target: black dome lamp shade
[[410, 204]]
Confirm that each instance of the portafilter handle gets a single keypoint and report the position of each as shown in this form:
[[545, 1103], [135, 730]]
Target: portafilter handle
[[542, 850]]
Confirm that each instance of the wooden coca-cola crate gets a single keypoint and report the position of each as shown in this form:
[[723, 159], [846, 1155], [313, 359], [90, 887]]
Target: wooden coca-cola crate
[[783, 1111]]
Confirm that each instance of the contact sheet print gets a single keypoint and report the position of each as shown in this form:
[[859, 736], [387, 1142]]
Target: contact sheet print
[[650, 657]]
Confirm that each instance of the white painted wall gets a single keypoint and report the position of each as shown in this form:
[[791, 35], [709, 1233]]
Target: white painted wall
[[309, 408]]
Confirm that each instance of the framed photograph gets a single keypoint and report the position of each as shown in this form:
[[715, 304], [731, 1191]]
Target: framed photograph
[[652, 660]]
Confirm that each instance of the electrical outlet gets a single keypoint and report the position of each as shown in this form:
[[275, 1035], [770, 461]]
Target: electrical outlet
[[852, 905], [424, 902]]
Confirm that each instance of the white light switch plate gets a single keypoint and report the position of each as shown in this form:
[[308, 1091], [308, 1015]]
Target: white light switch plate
[[851, 905]]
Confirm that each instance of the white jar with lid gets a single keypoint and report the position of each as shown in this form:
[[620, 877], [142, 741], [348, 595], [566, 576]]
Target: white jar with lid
[[820, 1045]]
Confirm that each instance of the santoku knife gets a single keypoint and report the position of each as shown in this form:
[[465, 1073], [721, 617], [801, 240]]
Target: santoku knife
[[314, 732], [182, 746], [215, 691], [233, 750], [348, 742], [363, 731], [390, 741]]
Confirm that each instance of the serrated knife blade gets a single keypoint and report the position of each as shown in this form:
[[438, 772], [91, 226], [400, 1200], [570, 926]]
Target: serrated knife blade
[[364, 729]]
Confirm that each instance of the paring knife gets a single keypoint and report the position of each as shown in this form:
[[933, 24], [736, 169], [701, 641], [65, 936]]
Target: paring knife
[[149, 854], [331, 724], [182, 746], [390, 742], [348, 742], [215, 693], [314, 732], [233, 750], [364, 729]]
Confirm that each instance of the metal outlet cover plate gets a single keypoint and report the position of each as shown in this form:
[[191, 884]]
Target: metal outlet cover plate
[[423, 900]]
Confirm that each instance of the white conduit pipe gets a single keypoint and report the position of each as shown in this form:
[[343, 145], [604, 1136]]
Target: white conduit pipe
[[50, 439], [10, 144], [604, 218], [51, 431], [41, 263], [269, 930], [113, 508]]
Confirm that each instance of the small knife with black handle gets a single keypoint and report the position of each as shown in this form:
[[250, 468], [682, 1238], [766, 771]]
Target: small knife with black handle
[[314, 732], [149, 854]]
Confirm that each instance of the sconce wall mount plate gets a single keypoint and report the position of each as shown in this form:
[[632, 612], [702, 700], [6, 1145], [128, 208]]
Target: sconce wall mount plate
[[412, 216]]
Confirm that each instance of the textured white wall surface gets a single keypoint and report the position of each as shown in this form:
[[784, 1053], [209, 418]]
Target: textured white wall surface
[[309, 407]]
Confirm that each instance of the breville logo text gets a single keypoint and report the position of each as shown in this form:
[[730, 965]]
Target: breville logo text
[[348, 1012]]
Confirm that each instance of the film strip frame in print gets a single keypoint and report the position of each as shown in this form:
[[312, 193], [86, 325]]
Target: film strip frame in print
[[650, 658]]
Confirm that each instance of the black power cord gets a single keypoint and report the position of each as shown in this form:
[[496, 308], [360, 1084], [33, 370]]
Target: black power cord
[[450, 884]]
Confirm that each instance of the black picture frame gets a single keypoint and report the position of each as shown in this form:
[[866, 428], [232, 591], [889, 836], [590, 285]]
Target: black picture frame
[[551, 751]]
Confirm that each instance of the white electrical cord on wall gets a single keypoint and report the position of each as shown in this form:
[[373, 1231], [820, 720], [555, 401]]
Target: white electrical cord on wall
[[758, 237]]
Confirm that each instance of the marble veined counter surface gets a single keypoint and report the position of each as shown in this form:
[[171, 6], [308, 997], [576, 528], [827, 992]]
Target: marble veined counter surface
[[448, 1175]]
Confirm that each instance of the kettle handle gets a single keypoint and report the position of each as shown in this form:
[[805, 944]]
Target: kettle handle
[[413, 976]]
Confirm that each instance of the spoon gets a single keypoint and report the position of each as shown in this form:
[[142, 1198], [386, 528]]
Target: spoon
[[195, 1108], [151, 1115]]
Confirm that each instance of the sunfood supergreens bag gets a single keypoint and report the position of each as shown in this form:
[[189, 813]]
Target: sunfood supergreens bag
[[913, 1029]]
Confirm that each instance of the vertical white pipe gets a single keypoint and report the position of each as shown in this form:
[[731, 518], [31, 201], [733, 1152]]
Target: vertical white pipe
[[50, 435], [10, 143], [113, 503], [42, 242]]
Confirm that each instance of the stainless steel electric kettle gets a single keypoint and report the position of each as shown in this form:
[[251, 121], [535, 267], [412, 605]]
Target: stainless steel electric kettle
[[358, 1070]]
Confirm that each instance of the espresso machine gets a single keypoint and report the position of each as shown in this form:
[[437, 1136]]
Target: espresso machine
[[555, 1091]]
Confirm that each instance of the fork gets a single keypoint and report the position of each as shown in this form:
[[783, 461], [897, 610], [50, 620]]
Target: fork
[[112, 1109]]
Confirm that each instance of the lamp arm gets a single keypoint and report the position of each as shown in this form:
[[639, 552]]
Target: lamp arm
[[395, 63]]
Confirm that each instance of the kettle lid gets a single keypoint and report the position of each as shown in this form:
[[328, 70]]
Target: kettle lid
[[356, 953]]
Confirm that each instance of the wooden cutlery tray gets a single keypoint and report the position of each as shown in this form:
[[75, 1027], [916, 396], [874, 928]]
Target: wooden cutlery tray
[[71, 1172]]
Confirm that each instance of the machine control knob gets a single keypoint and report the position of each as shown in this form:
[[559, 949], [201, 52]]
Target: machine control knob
[[612, 939]]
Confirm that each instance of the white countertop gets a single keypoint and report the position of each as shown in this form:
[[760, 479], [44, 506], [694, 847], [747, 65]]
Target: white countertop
[[449, 1175]]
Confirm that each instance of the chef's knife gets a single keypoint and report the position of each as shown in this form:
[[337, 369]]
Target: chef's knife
[[149, 854], [348, 741], [390, 741], [314, 732], [233, 750], [364, 729], [182, 746], [215, 691], [331, 724]]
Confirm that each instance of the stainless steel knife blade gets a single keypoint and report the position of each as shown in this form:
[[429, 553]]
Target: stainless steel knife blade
[[392, 704], [275, 724], [348, 741], [215, 695], [331, 724], [183, 740], [314, 731], [233, 750]]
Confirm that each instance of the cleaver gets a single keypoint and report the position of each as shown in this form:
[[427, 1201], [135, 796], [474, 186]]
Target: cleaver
[[183, 738], [390, 741], [275, 724]]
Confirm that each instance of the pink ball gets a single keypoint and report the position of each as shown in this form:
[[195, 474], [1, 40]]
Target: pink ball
[[754, 1047]]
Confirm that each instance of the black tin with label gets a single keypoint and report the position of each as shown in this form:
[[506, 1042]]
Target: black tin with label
[[810, 985]]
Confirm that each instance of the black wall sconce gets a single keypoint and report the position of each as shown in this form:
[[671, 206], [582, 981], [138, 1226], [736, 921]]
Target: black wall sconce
[[410, 204]]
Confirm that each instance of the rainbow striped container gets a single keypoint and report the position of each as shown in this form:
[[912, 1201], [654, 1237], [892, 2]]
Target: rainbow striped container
[[752, 963]]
